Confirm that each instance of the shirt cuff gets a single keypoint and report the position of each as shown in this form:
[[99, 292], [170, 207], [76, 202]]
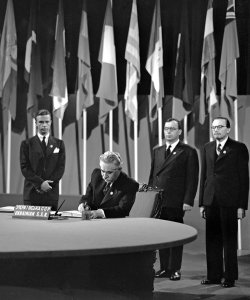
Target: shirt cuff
[[101, 213]]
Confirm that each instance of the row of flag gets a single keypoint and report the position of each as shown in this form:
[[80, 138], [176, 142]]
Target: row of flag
[[108, 91], [228, 67]]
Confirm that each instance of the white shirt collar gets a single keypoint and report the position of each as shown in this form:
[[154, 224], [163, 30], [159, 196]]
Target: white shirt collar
[[221, 142], [172, 145], [41, 137]]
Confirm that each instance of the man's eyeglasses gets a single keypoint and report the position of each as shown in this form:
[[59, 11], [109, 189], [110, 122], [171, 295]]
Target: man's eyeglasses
[[217, 127], [170, 128]]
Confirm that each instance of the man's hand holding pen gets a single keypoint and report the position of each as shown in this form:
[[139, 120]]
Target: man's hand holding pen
[[83, 206], [94, 214]]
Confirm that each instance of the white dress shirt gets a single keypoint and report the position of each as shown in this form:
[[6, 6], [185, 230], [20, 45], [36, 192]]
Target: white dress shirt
[[172, 145]]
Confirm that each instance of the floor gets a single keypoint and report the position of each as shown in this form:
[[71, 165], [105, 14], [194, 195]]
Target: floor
[[193, 271]]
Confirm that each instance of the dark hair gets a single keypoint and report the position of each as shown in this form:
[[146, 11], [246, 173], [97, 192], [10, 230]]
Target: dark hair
[[223, 118], [43, 112], [177, 121]]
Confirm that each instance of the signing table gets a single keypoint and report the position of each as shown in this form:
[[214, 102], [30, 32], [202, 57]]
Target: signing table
[[104, 254]]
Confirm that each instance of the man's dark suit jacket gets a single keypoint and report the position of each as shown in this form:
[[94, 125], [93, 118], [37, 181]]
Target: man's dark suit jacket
[[118, 200], [37, 167], [227, 177], [177, 175]]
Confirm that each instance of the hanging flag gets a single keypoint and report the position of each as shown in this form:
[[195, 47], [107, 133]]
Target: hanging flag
[[32, 70], [133, 74], [183, 89], [229, 54], [154, 64], [59, 90], [208, 86], [8, 61], [84, 96], [107, 91]]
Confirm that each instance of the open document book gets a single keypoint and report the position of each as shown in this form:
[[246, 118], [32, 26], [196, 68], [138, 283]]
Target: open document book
[[71, 214]]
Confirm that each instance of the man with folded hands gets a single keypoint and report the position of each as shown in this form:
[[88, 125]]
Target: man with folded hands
[[110, 193], [42, 161]]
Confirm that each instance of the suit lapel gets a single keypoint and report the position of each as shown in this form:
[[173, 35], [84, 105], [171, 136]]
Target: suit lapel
[[171, 158], [225, 150], [50, 146], [110, 194], [162, 153], [112, 191], [37, 144], [212, 152], [99, 194]]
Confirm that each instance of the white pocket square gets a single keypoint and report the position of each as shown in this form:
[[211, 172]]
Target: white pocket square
[[56, 150]]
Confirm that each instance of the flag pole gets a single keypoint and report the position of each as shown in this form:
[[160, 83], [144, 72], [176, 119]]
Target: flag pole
[[60, 128], [60, 137], [160, 126], [111, 130], [210, 121], [33, 126], [8, 153], [136, 148], [111, 115], [185, 129], [84, 147], [236, 135], [236, 127]]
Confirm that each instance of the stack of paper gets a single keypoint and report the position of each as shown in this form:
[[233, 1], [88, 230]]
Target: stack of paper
[[71, 214], [7, 209]]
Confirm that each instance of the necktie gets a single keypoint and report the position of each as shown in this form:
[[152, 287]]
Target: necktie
[[168, 152], [106, 188], [44, 146], [219, 149]]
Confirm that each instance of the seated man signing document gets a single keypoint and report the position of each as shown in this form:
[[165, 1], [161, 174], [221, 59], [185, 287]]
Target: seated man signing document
[[110, 193]]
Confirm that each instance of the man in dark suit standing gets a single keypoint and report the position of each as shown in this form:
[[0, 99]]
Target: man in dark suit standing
[[42, 161], [224, 189], [110, 193], [175, 169]]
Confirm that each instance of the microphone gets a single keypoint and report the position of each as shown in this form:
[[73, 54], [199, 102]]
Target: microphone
[[59, 208], [56, 215]]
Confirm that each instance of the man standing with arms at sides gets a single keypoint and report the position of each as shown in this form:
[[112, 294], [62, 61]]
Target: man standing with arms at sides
[[224, 189], [42, 161], [175, 169]]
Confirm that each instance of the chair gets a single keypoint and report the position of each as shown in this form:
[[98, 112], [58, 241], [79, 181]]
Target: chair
[[147, 204]]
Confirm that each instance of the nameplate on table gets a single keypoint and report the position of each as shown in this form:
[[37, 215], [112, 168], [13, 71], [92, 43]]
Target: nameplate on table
[[31, 212]]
